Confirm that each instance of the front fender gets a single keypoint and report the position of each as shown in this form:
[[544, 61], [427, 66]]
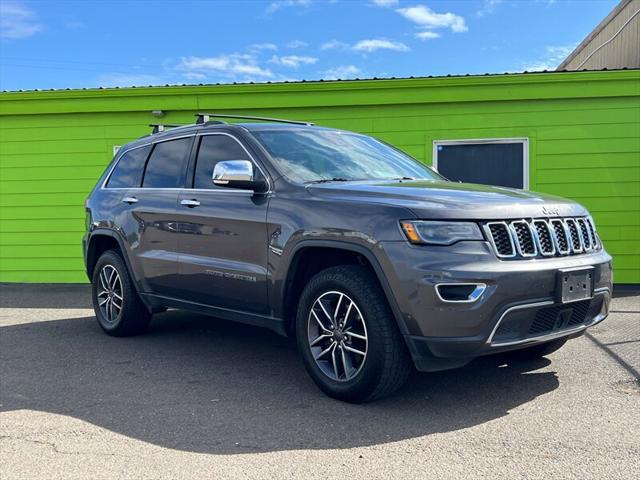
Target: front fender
[[369, 250]]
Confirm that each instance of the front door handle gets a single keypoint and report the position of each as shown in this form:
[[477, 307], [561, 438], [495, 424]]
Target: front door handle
[[190, 203], [130, 200]]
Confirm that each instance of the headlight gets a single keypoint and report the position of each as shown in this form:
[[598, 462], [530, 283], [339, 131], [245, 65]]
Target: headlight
[[440, 233]]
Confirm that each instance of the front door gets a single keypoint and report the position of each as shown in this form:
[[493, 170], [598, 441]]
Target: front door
[[222, 235]]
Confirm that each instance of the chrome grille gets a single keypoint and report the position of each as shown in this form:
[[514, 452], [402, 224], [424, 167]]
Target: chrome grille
[[544, 237], [501, 238], [592, 231], [574, 235], [560, 236], [524, 238], [541, 237], [586, 235]]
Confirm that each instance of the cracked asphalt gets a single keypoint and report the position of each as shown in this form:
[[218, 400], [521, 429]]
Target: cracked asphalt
[[199, 398]]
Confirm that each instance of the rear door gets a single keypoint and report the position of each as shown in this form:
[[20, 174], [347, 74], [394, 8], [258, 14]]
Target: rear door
[[150, 226], [222, 235]]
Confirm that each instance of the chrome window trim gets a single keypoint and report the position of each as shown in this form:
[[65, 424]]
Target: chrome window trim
[[473, 297], [181, 189], [542, 338], [516, 240], [487, 229], [115, 164], [537, 237], [235, 191], [177, 137]]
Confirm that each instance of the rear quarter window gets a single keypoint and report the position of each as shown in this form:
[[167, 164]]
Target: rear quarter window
[[128, 171]]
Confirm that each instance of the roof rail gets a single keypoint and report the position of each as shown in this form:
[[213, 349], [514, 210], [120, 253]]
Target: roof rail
[[160, 127], [204, 118]]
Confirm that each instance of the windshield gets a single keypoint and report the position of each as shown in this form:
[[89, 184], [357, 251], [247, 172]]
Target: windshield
[[327, 155]]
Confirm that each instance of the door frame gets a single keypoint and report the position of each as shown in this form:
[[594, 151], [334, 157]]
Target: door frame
[[489, 141]]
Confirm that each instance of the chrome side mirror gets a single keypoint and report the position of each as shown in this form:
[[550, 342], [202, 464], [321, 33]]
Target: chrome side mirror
[[237, 174]]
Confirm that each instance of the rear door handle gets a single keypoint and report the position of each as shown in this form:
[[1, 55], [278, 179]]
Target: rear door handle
[[190, 203], [130, 200]]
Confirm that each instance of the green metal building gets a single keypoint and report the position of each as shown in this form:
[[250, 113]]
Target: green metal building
[[578, 134]]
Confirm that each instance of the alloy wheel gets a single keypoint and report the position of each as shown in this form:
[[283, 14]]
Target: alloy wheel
[[110, 293], [337, 335]]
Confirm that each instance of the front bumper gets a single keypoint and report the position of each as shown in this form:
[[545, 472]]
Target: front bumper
[[517, 308]]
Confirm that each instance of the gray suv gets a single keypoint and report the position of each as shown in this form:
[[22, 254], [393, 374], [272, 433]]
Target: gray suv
[[374, 262]]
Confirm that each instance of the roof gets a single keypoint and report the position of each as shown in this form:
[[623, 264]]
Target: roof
[[354, 80], [601, 26]]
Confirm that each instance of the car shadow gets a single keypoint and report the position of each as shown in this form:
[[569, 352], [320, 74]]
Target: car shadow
[[199, 384]]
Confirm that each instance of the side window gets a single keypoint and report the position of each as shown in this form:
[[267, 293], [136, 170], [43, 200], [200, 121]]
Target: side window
[[128, 171], [167, 165], [214, 149]]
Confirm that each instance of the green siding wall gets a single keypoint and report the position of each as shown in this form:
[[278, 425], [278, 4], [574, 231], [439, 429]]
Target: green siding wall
[[583, 130]]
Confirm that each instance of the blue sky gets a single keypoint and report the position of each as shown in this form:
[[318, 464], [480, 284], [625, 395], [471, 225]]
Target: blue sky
[[73, 44]]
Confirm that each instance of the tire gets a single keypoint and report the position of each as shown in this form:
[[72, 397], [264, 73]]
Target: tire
[[369, 328], [538, 351], [116, 288]]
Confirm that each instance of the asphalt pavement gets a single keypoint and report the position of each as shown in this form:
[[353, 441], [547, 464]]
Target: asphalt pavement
[[197, 397]]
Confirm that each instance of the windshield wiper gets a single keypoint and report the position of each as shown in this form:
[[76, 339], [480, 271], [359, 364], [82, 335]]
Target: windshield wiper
[[326, 180]]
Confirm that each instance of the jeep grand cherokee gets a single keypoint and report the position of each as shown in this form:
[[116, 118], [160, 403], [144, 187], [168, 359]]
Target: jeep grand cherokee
[[370, 259]]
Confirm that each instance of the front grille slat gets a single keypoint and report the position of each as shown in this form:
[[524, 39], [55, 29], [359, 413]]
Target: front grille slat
[[544, 237], [574, 235], [584, 230], [560, 235], [502, 240], [528, 238], [524, 238], [592, 232]]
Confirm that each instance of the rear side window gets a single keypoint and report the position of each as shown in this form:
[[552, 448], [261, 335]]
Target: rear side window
[[128, 171], [214, 149], [167, 165]]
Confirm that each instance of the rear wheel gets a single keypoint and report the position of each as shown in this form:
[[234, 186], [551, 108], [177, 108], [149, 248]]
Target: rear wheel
[[117, 306], [348, 338], [538, 351]]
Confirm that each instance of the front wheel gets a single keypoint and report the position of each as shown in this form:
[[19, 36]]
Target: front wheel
[[347, 336], [117, 306]]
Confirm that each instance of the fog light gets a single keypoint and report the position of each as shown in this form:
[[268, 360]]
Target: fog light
[[460, 292]]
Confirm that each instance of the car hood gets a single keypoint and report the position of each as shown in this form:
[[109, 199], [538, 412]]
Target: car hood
[[451, 200]]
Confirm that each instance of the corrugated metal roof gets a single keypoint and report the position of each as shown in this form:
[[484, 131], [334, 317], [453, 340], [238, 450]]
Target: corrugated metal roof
[[550, 72], [589, 38]]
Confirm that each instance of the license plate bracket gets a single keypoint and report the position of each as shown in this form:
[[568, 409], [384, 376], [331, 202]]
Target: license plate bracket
[[575, 284]]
